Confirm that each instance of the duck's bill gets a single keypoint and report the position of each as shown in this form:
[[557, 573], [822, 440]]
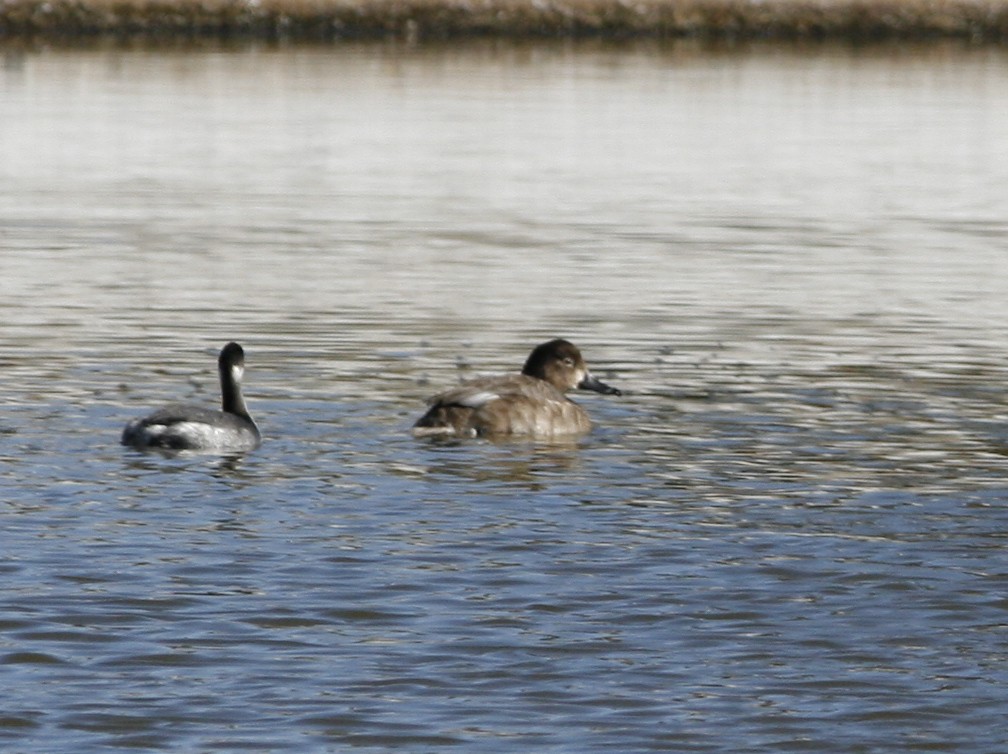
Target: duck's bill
[[591, 383]]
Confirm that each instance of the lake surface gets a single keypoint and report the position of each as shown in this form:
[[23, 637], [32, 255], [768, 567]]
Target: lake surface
[[789, 533]]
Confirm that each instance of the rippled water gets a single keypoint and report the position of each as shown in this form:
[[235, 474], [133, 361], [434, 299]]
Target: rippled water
[[788, 535]]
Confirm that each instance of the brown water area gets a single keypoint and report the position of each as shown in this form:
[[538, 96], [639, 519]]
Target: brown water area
[[320, 20]]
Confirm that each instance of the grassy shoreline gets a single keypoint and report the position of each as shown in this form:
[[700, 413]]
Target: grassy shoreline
[[980, 21]]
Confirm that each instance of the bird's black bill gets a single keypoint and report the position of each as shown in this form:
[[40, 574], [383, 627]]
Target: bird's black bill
[[591, 383]]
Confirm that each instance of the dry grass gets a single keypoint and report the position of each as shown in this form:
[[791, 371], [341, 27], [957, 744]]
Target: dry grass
[[853, 20]]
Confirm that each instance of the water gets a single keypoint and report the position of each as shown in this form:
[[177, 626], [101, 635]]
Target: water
[[787, 535]]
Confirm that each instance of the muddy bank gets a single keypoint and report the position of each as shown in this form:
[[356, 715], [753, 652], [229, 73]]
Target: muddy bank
[[848, 20]]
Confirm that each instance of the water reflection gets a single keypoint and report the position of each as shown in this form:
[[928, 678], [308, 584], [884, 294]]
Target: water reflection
[[514, 462]]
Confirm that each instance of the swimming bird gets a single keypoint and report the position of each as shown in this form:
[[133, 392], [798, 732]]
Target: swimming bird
[[532, 403], [184, 427]]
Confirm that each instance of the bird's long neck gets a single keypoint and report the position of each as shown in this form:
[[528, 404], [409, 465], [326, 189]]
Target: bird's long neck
[[232, 401]]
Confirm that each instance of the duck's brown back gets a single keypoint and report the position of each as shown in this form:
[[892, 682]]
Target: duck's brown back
[[508, 405]]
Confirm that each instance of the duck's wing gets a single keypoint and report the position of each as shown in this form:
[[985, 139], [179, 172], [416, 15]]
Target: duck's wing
[[454, 411], [483, 390], [180, 412]]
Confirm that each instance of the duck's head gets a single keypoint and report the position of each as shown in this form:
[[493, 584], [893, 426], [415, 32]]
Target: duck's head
[[232, 361], [559, 363]]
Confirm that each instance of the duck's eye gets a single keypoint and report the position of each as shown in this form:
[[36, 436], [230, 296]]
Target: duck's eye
[[568, 361]]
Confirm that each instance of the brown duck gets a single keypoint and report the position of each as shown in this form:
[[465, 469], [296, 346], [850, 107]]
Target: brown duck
[[532, 403]]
